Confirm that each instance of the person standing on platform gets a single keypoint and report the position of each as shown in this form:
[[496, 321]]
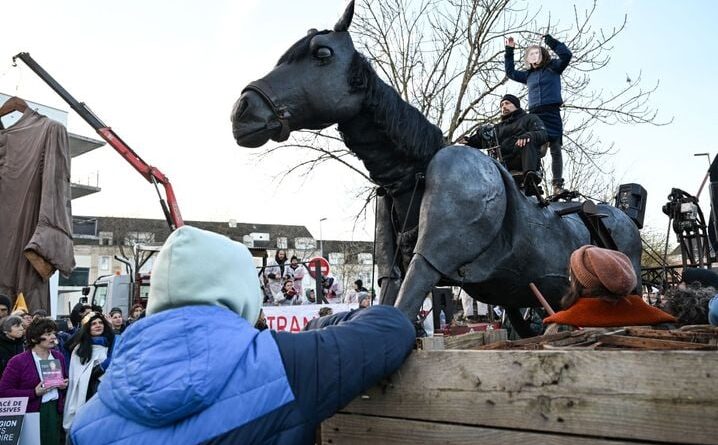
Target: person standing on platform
[[543, 79]]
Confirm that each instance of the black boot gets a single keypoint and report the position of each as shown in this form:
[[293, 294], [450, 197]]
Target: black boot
[[532, 184], [558, 186]]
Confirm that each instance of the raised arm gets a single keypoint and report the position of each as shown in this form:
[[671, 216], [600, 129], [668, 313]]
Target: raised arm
[[511, 72], [329, 367], [561, 50]]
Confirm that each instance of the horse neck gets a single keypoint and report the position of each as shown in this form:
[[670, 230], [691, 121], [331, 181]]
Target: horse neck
[[392, 138]]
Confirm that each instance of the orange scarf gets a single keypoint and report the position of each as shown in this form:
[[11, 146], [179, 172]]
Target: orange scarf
[[597, 312]]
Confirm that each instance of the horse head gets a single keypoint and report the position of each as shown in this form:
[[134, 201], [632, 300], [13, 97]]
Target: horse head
[[316, 83]]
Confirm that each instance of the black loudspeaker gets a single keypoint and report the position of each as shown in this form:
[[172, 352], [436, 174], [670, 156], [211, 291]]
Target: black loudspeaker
[[631, 199]]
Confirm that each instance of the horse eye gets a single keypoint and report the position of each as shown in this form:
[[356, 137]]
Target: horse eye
[[323, 52]]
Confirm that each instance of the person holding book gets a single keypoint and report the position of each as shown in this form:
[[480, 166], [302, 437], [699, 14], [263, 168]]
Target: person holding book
[[23, 377], [196, 370], [91, 356]]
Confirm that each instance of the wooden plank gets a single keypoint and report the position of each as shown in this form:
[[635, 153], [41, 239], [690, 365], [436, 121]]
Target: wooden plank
[[470, 340], [665, 396], [465, 341], [695, 337], [369, 430], [651, 343], [435, 343], [529, 343], [495, 336]]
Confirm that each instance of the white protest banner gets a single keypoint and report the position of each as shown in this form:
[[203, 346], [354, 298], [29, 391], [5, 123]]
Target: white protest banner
[[294, 318], [12, 411]]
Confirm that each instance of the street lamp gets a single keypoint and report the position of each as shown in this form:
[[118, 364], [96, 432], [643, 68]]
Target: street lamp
[[705, 178], [321, 242]]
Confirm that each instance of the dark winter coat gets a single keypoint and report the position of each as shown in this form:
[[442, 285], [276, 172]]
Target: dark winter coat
[[544, 83], [9, 348], [517, 125], [202, 374]]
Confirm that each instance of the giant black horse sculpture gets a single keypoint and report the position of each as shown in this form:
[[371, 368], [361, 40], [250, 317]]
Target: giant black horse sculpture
[[450, 214]]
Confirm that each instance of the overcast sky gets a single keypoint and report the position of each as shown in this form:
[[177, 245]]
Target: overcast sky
[[164, 75]]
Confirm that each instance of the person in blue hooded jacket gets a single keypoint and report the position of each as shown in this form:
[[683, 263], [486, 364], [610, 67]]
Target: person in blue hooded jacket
[[543, 79], [195, 370]]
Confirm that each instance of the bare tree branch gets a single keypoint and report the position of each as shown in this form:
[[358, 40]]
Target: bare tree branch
[[446, 57]]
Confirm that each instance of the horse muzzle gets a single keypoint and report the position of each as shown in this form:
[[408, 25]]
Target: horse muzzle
[[254, 122]]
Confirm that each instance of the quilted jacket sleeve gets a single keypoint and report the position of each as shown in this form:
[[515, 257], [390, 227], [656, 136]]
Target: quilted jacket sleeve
[[329, 367], [564, 55]]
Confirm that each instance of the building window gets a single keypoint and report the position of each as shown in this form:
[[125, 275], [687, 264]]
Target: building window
[[104, 264], [105, 238], [259, 236], [132, 238], [248, 241], [281, 242], [303, 243], [336, 258], [78, 277], [364, 258], [84, 227]]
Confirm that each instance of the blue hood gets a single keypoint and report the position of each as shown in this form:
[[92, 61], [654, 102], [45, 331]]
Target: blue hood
[[176, 363]]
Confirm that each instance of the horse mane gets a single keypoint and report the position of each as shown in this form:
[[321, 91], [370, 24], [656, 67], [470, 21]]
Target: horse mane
[[404, 125], [300, 48]]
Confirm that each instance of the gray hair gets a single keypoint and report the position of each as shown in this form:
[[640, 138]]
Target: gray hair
[[689, 305], [10, 321]]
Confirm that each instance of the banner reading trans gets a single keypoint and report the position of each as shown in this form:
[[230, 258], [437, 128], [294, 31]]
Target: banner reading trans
[[294, 318]]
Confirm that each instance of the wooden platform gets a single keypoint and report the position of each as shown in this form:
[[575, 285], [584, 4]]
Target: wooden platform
[[576, 396]]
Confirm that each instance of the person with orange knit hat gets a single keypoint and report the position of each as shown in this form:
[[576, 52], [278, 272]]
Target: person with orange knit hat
[[602, 293]]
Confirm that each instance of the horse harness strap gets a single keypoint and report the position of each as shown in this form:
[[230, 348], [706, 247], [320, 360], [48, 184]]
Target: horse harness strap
[[404, 185], [588, 213], [418, 177], [283, 115]]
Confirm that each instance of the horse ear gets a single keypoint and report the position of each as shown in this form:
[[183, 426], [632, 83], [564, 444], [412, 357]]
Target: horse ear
[[346, 20]]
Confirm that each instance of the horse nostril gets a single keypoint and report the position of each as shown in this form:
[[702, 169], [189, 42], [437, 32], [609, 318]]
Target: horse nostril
[[243, 105], [240, 107]]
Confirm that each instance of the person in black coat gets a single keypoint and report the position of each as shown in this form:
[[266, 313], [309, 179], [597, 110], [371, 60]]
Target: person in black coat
[[12, 339], [519, 135]]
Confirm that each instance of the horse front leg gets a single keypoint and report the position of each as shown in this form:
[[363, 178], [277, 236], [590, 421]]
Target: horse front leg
[[420, 279], [389, 287], [389, 273]]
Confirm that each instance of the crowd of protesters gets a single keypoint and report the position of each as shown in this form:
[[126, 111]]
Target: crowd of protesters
[[85, 348], [282, 285], [82, 345]]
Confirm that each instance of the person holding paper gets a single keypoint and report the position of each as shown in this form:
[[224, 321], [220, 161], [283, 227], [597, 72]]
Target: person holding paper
[[23, 378]]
